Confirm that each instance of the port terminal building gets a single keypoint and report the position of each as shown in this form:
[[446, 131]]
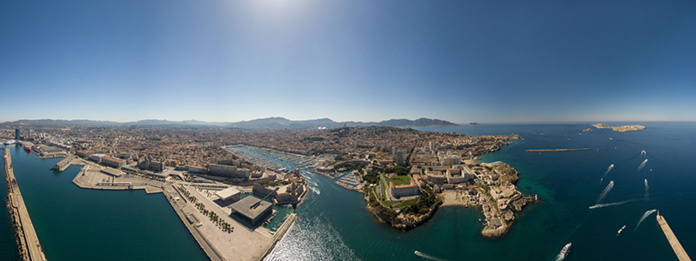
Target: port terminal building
[[229, 194], [252, 210]]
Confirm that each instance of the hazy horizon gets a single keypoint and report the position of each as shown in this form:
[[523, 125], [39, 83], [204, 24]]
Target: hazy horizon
[[364, 121], [221, 61]]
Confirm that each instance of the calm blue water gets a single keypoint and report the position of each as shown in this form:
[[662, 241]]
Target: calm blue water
[[8, 245], [80, 224], [335, 225]]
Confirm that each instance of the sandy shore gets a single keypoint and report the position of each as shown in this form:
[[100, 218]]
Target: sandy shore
[[453, 198]]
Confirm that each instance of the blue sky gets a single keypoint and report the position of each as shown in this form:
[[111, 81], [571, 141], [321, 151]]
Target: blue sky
[[463, 61]]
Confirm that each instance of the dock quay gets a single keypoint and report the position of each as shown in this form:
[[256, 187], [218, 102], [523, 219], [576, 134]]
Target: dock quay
[[186, 214], [63, 164], [27, 240], [187, 200], [555, 150], [280, 233], [673, 241], [350, 181], [93, 176]]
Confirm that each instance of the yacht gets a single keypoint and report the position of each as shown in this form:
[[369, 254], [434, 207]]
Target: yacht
[[565, 250], [621, 230]]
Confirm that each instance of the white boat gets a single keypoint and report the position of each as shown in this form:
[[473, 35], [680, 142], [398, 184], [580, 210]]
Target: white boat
[[621, 230], [10, 142], [565, 250]]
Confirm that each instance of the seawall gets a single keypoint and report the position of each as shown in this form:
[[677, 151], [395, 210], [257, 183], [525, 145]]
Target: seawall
[[27, 240], [673, 241], [280, 233]]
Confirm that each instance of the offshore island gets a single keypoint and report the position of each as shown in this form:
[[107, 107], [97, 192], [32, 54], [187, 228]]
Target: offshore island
[[623, 128], [227, 198]]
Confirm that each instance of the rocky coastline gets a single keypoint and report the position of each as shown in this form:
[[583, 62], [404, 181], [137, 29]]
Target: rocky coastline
[[401, 221], [499, 200], [623, 128]]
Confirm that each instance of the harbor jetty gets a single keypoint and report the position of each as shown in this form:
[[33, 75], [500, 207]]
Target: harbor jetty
[[27, 240], [673, 241]]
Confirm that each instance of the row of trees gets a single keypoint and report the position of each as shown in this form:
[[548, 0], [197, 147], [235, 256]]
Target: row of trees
[[211, 214], [215, 218], [185, 192]]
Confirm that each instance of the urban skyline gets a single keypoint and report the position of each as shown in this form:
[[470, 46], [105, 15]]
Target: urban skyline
[[218, 61]]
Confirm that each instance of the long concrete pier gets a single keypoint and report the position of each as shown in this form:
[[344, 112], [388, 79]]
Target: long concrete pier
[[673, 241], [27, 240]]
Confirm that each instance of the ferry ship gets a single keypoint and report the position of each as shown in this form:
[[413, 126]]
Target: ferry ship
[[27, 145], [565, 250]]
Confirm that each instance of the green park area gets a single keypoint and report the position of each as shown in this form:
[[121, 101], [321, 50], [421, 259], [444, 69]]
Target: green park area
[[400, 180]]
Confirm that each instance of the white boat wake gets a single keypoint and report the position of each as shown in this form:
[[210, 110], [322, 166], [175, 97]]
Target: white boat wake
[[647, 213], [605, 192], [426, 256], [605, 173], [611, 204], [642, 165]]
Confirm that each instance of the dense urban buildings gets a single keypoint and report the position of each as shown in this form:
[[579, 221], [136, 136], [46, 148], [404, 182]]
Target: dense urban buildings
[[400, 168]]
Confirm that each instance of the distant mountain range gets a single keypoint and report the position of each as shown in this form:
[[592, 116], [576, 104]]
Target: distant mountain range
[[273, 123]]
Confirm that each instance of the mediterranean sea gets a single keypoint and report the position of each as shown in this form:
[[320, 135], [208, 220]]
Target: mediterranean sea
[[333, 224]]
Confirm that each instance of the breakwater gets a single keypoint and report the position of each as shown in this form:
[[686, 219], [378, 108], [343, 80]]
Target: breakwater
[[27, 240], [673, 241]]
